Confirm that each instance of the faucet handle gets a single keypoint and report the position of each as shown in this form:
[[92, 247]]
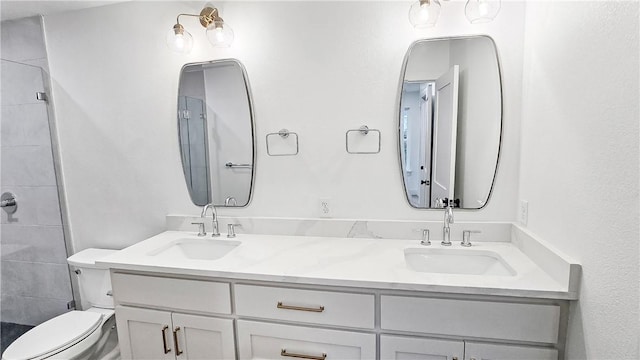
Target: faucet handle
[[231, 230], [425, 238], [466, 237], [201, 230]]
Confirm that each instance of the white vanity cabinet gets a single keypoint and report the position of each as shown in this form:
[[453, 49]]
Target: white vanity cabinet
[[303, 310], [195, 317], [261, 340], [153, 334], [173, 318], [401, 348]]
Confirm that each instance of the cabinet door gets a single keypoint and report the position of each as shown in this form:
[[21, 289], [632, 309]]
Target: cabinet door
[[259, 340], [144, 334], [479, 351], [201, 337], [412, 348]]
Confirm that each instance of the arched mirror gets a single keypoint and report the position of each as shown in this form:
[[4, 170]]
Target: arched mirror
[[216, 129], [450, 122]]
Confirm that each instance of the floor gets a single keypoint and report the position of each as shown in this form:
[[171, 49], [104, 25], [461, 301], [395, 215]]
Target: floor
[[9, 332]]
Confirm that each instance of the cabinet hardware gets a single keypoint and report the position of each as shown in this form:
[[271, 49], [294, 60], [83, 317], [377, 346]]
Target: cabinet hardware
[[164, 339], [299, 308], [284, 352], [175, 340]]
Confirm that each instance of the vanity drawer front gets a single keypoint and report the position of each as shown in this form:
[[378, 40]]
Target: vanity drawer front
[[483, 319], [257, 340], [309, 306], [171, 293]]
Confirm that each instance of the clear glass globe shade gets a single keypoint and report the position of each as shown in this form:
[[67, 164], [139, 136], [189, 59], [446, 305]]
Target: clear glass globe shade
[[220, 36], [424, 14], [481, 11], [179, 43]]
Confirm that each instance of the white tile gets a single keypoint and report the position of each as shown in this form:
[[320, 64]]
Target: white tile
[[31, 311], [12, 309], [26, 124], [47, 205], [11, 130], [39, 310], [27, 166], [33, 244], [35, 280], [19, 83], [22, 39], [36, 206], [41, 62]]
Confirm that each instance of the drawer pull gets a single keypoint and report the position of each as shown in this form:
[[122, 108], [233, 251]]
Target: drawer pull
[[284, 353], [164, 339], [175, 340], [299, 308]]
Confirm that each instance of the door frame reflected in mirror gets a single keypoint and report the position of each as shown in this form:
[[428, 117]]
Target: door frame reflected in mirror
[[400, 111]]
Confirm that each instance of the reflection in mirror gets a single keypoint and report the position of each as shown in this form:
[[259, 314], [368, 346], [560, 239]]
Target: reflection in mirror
[[215, 124], [450, 121]]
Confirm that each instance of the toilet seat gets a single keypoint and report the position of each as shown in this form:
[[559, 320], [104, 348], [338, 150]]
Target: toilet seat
[[54, 335]]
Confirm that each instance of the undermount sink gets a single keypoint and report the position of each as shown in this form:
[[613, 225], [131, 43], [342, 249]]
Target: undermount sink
[[195, 249], [457, 261]]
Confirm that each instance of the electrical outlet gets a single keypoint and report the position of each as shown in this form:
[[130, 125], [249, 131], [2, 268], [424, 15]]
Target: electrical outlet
[[523, 213], [325, 208]]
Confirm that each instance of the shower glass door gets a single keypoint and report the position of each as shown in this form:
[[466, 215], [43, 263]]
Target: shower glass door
[[35, 283]]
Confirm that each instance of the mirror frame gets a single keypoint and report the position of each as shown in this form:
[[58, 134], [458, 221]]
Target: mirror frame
[[253, 126], [399, 114]]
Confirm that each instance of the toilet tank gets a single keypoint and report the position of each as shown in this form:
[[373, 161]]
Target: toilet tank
[[94, 281]]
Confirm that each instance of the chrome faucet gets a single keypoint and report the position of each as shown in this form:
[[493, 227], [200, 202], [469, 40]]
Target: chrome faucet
[[227, 201], [446, 230], [214, 231]]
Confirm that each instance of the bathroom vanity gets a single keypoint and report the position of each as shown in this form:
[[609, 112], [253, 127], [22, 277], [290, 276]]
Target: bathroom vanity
[[276, 297]]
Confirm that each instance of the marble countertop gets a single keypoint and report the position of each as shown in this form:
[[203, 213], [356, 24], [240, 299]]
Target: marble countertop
[[352, 262]]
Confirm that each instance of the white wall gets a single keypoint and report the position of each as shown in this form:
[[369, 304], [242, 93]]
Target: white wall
[[115, 89], [579, 168]]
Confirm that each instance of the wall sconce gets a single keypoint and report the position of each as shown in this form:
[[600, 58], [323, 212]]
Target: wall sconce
[[424, 13], [218, 32]]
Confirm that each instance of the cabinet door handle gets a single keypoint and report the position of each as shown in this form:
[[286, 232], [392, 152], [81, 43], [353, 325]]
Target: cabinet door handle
[[164, 339], [284, 353], [299, 308], [175, 340]]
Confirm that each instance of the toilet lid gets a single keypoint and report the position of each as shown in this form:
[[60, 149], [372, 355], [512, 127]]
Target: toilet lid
[[55, 334]]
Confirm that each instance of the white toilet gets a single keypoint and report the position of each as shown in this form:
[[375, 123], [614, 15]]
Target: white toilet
[[88, 334]]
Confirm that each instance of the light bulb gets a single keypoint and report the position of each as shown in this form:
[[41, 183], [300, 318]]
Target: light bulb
[[179, 40], [220, 35], [424, 13], [483, 8], [481, 11]]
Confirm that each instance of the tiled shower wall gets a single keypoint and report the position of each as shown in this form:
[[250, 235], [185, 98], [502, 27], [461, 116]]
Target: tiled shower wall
[[35, 283]]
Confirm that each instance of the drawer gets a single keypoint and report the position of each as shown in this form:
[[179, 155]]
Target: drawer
[[471, 318], [171, 293], [482, 351], [400, 347], [308, 306], [258, 340]]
